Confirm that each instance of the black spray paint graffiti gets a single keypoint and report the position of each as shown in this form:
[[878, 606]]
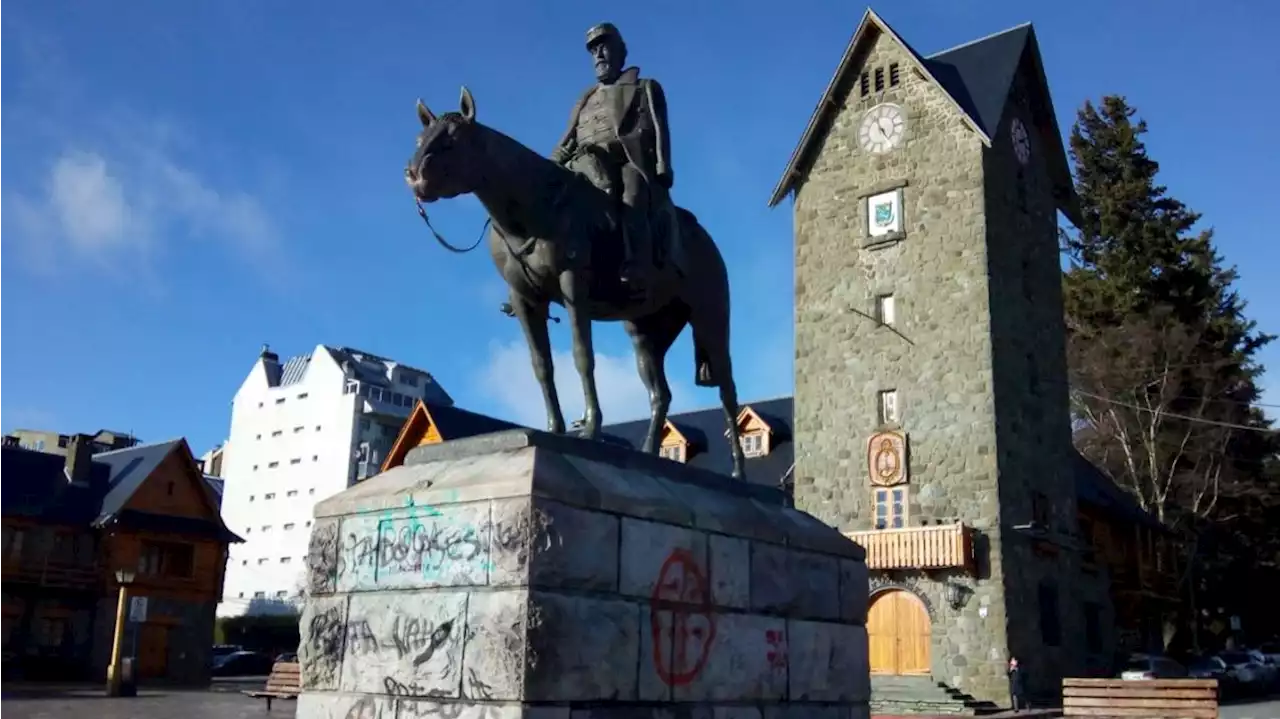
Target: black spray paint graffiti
[[410, 637], [322, 558], [323, 646]]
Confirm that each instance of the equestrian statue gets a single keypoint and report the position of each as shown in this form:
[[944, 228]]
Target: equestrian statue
[[595, 230]]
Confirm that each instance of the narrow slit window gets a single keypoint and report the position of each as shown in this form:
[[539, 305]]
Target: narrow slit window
[[864, 84], [893, 74], [886, 310], [888, 407], [879, 79]]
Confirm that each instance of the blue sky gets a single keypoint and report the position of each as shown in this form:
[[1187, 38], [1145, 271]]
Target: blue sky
[[184, 181]]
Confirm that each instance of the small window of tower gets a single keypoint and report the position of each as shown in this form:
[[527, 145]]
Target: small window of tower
[[879, 79], [864, 84], [893, 74]]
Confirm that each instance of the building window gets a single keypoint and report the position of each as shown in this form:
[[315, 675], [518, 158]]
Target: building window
[[280, 400], [269, 495], [1033, 374], [258, 437], [888, 407], [272, 465], [753, 444], [411, 380], [302, 395], [259, 595], [169, 489], [262, 561], [885, 310], [288, 526], [308, 524], [255, 468], [251, 497], [311, 491], [296, 460], [244, 563], [282, 594], [893, 74], [315, 458], [1040, 509], [298, 429], [1021, 189], [13, 542], [891, 508], [673, 452], [864, 84], [291, 493], [50, 631], [364, 424], [317, 428], [879, 79], [286, 560], [242, 595], [277, 433], [259, 405], [266, 527], [167, 559], [1050, 626], [1093, 628]]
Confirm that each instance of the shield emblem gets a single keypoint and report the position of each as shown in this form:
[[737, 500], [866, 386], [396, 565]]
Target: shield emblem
[[884, 214]]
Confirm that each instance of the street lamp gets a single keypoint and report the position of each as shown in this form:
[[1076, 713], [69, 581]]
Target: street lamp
[[124, 577]]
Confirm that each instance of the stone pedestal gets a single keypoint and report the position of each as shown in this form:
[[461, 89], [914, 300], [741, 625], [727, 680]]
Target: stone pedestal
[[521, 574]]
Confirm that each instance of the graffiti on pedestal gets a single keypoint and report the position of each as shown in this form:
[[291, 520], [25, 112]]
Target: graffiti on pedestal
[[681, 620]]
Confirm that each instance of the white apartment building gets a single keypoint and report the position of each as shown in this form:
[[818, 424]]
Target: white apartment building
[[302, 431]]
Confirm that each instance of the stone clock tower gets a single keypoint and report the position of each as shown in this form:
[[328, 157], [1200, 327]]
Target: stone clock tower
[[931, 413]]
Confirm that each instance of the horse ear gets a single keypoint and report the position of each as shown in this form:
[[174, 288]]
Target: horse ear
[[467, 105], [425, 115]]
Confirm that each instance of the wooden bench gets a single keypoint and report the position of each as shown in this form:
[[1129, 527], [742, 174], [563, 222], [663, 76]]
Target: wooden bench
[[1140, 699], [284, 682]]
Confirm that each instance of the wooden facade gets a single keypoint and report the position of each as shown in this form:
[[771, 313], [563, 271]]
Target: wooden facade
[[145, 509]]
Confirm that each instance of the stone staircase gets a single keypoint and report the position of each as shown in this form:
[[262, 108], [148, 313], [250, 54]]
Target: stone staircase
[[905, 696]]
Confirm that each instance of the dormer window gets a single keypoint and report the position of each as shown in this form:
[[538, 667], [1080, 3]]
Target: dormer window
[[754, 434], [674, 446], [753, 444]]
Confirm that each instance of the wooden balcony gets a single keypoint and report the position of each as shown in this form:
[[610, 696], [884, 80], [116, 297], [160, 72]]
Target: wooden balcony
[[53, 574], [945, 546]]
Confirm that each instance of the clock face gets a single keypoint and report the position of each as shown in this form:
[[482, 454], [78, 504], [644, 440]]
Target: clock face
[[882, 129], [1021, 142]]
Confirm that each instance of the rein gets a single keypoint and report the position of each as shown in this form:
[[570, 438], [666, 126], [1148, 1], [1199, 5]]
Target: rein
[[422, 212]]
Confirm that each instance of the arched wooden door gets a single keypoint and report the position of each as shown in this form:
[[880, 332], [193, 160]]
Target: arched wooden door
[[898, 633]]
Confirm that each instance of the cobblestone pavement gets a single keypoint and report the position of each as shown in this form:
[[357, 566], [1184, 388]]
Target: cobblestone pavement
[[149, 704]]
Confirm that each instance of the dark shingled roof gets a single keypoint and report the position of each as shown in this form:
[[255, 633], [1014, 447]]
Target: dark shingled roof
[[976, 75], [710, 450], [454, 422], [36, 486], [1095, 488]]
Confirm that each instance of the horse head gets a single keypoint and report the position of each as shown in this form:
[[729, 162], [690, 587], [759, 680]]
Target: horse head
[[442, 165]]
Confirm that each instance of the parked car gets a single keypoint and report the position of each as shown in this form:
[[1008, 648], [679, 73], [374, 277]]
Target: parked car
[[1152, 666], [287, 657], [1244, 671], [242, 664], [221, 649], [1268, 669]]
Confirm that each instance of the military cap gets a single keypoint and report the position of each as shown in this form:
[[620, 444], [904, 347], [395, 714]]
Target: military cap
[[601, 31]]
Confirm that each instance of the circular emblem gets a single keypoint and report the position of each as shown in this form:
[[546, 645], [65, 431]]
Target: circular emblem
[[887, 462], [681, 620]]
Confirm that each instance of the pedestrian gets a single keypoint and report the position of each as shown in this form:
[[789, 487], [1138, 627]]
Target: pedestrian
[[1017, 686]]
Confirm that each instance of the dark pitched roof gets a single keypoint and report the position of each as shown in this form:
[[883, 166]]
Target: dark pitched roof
[[129, 469], [1095, 488], [36, 486], [976, 76], [705, 430], [454, 422]]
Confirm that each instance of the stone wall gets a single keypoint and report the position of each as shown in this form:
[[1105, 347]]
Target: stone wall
[[522, 573]]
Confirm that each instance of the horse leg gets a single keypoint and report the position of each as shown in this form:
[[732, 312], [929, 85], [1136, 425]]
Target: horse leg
[[533, 320], [652, 336], [584, 357], [714, 366]]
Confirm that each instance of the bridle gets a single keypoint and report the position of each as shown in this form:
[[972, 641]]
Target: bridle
[[422, 212]]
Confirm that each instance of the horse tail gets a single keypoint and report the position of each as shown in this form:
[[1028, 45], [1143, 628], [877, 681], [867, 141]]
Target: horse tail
[[707, 295]]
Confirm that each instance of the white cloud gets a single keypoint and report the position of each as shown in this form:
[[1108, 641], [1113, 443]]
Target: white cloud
[[117, 208], [507, 379]]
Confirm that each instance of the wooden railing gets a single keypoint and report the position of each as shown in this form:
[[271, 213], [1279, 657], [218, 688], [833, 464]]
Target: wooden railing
[[52, 574], [1153, 698], [944, 546]]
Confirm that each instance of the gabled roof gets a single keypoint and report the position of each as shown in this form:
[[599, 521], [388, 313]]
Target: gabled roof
[[669, 428], [450, 422], [36, 487], [129, 468], [975, 76]]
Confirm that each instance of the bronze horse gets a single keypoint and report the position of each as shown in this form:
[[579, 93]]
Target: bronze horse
[[553, 240]]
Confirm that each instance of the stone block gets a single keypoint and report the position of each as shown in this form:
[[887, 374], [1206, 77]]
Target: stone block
[[322, 557], [729, 563], [405, 644], [654, 552], [797, 710], [345, 706], [794, 583], [323, 629], [581, 648], [745, 659], [496, 649], [671, 711], [855, 587], [547, 544], [415, 547], [828, 662], [414, 708]]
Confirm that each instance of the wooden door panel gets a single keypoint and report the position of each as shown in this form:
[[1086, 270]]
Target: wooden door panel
[[898, 634], [153, 651], [881, 634]]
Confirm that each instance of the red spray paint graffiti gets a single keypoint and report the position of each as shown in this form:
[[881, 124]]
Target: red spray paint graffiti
[[682, 622], [777, 655]]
